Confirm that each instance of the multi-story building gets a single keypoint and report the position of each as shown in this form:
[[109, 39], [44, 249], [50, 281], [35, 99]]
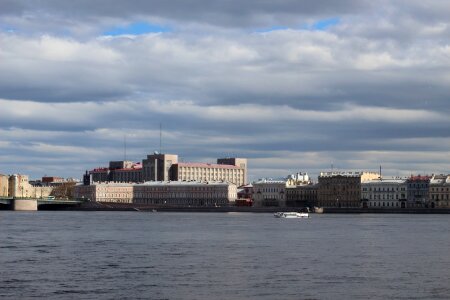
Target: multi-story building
[[298, 179], [52, 179], [342, 189], [245, 195], [157, 167], [20, 187], [269, 192], [439, 191], [301, 195], [98, 175], [178, 193], [118, 171], [132, 173], [209, 172], [418, 188], [384, 193], [111, 192], [160, 193], [165, 167], [4, 185], [238, 162]]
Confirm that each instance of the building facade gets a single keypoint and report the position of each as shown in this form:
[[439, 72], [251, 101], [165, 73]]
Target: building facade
[[20, 187], [111, 192], [160, 193], [177, 193], [4, 186], [132, 174], [298, 179], [301, 195], [157, 167], [439, 191], [342, 189], [118, 171], [269, 192], [384, 193], [245, 195], [209, 172], [99, 175], [165, 167], [241, 163], [418, 191]]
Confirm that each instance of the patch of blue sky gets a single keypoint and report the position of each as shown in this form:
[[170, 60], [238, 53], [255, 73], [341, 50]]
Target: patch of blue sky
[[137, 28], [324, 24], [320, 25], [7, 28]]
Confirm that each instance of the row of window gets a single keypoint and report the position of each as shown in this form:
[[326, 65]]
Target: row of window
[[441, 189], [385, 197], [384, 204], [180, 195], [384, 189], [440, 197], [269, 190], [186, 202]]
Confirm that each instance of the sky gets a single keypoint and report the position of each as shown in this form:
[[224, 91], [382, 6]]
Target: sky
[[294, 86]]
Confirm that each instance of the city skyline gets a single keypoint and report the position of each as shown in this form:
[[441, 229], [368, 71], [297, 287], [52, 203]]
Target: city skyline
[[292, 86]]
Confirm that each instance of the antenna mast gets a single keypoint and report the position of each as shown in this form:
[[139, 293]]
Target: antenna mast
[[160, 137], [125, 147]]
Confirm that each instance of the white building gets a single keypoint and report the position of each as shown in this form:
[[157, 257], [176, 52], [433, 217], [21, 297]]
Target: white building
[[440, 191], [384, 193], [269, 192], [298, 179]]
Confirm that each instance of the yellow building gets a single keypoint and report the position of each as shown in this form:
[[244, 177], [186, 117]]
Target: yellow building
[[19, 187], [105, 192], [209, 172], [4, 185]]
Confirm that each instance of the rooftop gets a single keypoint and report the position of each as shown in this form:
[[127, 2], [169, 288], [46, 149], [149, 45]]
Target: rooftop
[[161, 183], [270, 180], [346, 173], [206, 165], [385, 181], [185, 183]]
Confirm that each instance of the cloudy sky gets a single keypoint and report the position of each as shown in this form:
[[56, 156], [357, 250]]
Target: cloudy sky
[[291, 85]]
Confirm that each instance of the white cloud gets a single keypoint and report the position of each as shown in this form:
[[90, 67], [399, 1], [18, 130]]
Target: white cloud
[[374, 87]]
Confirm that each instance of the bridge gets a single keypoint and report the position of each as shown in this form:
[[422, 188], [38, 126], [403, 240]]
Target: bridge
[[31, 204]]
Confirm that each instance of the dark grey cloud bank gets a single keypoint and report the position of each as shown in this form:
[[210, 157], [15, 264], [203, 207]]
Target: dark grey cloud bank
[[372, 89], [215, 12]]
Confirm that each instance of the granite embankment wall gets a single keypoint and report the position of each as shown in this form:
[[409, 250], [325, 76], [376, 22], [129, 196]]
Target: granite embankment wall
[[95, 206], [387, 210]]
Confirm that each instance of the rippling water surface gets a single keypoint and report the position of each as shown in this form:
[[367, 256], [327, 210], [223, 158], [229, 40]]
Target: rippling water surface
[[120, 255]]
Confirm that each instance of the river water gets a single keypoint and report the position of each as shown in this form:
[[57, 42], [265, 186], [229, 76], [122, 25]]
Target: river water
[[136, 255]]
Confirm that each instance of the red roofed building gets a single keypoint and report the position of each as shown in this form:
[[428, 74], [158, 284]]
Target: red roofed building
[[118, 171]]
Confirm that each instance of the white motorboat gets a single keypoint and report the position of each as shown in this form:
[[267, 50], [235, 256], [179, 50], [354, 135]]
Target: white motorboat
[[291, 215]]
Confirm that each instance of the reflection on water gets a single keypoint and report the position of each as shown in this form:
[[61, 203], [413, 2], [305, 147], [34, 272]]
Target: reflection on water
[[106, 255]]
